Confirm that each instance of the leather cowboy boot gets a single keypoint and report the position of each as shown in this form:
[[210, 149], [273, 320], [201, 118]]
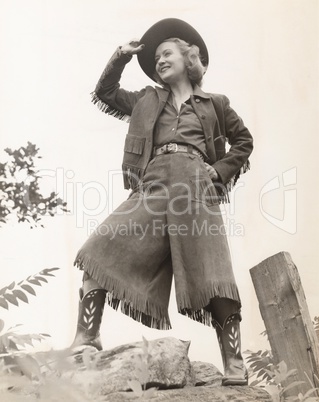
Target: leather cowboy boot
[[91, 307], [225, 319], [230, 346]]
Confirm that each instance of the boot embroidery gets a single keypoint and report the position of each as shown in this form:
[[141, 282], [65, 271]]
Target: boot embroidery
[[91, 294], [234, 340], [230, 319], [88, 316]]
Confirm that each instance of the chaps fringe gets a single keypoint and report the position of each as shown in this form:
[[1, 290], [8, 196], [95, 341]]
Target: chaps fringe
[[202, 314], [132, 304]]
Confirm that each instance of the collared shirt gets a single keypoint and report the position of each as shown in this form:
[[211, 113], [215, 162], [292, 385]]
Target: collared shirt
[[182, 127]]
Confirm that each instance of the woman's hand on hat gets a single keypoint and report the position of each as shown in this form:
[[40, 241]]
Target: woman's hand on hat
[[132, 47], [212, 172]]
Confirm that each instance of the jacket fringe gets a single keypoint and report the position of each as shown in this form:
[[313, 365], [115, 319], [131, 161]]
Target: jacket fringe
[[223, 190], [132, 176], [200, 312], [105, 108], [132, 304]]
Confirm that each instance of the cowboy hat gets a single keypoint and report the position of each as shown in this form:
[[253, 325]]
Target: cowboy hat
[[165, 29]]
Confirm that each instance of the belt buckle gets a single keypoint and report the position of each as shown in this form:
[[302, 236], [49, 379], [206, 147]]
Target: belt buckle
[[171, 148]]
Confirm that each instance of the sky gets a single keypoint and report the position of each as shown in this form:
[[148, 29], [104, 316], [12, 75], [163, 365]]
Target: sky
[[263, 56]]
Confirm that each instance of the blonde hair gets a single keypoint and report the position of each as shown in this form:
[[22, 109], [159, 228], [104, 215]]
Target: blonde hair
[[193, 62]]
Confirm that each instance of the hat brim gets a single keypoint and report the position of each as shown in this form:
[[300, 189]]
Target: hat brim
[[165, 29]]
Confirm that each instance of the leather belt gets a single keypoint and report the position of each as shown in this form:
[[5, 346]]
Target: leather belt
[[172, 148]]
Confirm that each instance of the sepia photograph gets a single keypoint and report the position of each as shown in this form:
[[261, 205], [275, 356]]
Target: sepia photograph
[[158, 195]]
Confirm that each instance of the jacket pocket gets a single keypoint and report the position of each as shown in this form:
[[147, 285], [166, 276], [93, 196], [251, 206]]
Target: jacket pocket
[[133, 148]]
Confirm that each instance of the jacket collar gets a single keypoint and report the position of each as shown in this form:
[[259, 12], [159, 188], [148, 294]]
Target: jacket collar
[[164, 92], [198, 92]]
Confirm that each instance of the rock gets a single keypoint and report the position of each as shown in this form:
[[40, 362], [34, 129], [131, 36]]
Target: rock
[[117, 375], [199, 394], [162, 363], [206, 374]]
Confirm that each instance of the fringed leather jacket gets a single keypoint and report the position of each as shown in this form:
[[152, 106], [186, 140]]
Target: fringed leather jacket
[[220, 123]]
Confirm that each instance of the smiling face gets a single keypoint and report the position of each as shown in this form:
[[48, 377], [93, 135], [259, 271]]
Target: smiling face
[[170, 63]]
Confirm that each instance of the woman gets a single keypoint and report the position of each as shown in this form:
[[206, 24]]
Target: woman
[[177, 167]]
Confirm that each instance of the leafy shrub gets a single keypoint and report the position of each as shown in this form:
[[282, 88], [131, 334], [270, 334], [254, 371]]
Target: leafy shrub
[[22, 198], [12, 343], [15, 292], [266, 373]]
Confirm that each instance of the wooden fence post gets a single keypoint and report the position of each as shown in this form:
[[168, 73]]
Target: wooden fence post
[[283, 307]]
